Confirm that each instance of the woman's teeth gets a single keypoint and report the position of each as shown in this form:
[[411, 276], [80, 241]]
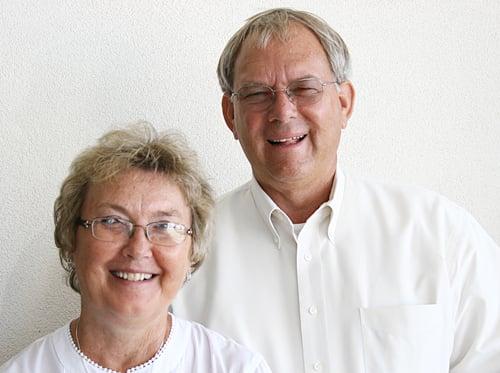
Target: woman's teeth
[[133, 276]]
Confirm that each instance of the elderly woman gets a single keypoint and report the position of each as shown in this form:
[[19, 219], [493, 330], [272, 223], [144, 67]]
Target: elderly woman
[[131, 223]]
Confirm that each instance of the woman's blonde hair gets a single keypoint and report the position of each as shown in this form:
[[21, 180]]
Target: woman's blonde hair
[[137, 146]]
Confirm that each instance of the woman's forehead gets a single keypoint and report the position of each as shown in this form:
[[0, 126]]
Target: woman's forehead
[[137, 191]]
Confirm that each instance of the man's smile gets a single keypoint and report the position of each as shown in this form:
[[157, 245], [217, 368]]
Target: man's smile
[[287, 140]]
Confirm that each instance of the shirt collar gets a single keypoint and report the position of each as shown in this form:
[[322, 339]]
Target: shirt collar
[[335, 201], [266, 206]]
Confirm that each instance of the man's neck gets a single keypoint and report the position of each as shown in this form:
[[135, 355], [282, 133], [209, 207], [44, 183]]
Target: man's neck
[[297, 200]]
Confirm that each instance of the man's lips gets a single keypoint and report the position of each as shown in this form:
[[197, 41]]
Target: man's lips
[[287, 140]]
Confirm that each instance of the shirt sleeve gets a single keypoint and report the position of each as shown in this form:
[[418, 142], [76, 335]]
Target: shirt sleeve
[[474, 269]]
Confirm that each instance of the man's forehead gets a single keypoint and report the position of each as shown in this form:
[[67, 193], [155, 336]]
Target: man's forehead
[[300, 45], [262, 38]]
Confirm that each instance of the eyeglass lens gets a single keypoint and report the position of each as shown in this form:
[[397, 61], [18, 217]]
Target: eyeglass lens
[[300, 92], [115, 230]]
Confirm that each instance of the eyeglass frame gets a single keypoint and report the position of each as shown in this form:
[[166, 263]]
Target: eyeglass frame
[[89, 223], [291, 97]]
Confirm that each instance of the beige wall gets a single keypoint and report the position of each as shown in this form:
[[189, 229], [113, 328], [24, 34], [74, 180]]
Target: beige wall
[[428, 109]]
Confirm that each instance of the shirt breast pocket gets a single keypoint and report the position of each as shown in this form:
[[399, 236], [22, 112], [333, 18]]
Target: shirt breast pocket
[[404, 339]]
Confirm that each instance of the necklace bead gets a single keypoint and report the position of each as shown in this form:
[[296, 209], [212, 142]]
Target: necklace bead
[[76, 346]]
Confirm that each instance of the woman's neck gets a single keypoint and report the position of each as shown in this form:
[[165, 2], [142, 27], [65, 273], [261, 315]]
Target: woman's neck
[[120, 347]]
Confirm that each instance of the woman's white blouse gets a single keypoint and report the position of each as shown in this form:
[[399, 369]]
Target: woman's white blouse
[[190, 348]]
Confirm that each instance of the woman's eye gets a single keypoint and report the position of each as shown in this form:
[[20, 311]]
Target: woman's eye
[[110, 220], [164, 226]]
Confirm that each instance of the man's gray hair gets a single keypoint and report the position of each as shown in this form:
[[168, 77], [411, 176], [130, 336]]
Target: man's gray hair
[[275, 23]]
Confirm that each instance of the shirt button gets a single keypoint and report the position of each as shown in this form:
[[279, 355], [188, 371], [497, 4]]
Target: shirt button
[[313, 310], [308, 257], [317, 366]]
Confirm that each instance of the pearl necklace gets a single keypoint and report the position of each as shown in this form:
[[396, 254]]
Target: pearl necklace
[[108, 370]]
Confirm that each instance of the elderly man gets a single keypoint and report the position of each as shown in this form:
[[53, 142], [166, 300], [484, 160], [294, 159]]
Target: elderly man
[[316, 269]]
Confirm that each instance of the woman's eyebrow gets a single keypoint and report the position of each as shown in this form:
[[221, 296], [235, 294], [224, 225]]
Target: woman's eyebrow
[[166, 213], [157, 215], [113, 206]]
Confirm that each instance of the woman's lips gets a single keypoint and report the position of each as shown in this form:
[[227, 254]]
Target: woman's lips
[[133, 276]]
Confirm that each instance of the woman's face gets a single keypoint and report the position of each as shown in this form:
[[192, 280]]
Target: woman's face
[[141, 197]]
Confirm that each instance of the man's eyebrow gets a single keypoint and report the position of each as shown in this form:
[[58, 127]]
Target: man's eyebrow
[[307, 76], [260, 84], [254, 84]]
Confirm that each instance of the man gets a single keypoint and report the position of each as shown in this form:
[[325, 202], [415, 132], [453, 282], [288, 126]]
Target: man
[[320, 271]]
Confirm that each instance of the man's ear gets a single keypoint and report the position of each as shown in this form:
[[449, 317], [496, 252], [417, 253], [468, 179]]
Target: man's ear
[[228, 112], [347, 96]]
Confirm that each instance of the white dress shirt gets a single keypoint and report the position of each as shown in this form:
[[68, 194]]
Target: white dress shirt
[[190, 348], [381, 279]]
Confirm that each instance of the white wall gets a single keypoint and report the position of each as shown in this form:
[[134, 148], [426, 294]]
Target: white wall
[[427, 75]]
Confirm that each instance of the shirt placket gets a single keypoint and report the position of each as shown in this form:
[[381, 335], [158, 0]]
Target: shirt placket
[[312, 296]]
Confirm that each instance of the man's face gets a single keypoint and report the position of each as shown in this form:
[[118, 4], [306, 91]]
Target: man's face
[[288, 144]]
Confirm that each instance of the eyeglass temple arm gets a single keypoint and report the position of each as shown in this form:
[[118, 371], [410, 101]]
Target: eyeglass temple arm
[[84, 223]]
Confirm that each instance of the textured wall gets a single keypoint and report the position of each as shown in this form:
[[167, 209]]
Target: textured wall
[[428, 109]]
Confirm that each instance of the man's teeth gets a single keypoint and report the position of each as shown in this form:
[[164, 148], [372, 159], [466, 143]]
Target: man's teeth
[[133, 276], [288, 139]]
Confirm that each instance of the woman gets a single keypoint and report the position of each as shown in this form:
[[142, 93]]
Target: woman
[[131, 224]]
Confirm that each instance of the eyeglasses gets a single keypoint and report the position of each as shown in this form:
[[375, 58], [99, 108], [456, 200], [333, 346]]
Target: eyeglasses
[[302, 92], [115, 229]]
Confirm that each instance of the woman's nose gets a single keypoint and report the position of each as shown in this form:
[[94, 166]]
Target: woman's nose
[[138, 245]]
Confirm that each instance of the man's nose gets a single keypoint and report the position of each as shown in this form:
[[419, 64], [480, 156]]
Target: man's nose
[[283, 106]]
